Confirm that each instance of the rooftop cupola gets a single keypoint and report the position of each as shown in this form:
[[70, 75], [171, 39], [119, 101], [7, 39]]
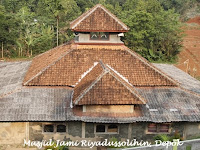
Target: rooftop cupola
[[98, 26]]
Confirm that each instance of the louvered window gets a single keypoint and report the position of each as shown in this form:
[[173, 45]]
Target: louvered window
[[158, 128]]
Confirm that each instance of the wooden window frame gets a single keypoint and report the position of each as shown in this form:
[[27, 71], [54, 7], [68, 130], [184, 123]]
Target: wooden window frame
[[54, 128], [158, 128], [43, 125], [57, 128], [99, 37], [106, 129]]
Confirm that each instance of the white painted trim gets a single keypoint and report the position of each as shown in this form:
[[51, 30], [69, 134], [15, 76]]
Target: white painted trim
[[88, 71], [121, 76], [133, 92], [85, 16], [83, 129], [132, 108], [93, 9], [84, 108], [89, 87]]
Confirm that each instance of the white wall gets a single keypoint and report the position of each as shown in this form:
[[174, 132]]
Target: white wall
[[85, 38]]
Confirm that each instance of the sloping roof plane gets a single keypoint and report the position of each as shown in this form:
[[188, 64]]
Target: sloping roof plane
[[67, 69], [75, 75], [96, 19], [53, 103], [102, 86]]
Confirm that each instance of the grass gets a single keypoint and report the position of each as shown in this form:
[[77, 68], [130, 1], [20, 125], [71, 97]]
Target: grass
[[198, 78], [188, 147], [16, 59]]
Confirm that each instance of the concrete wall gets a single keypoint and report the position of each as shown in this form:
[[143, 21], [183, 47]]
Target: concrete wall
[[15, 133], [192, 130], [85, 38], [12, 133], [73, 132], [110, 108], [139, 131], [90, 132]]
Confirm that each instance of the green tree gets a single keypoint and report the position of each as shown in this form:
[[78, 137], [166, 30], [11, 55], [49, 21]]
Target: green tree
[[154, 33], [62, 10], [8, 33]]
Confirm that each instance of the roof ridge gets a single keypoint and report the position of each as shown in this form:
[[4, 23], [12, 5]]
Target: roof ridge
[[108, 69], [44, 69], [85, 13], [11, 92], [115, 18], [132, 91], [151, 66], [86, 72], [102, 65], [90, 86], [51, 49], [120, 75], [88, 13], [191, 92]]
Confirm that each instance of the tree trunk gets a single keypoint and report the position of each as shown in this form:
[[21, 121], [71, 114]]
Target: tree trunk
[[28, 51], [19, 52], [2, 50], [57, 18]]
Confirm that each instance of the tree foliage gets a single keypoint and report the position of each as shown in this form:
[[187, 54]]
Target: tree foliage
[[30, 27], [154, 32]]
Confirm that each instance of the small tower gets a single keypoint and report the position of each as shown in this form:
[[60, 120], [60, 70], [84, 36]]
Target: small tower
[[98, 26]]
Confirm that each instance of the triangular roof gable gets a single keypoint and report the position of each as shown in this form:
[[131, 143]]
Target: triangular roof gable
[[102, 85], [98, 18]]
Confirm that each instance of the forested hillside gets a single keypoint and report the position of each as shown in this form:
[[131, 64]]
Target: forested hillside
[[30, 27]]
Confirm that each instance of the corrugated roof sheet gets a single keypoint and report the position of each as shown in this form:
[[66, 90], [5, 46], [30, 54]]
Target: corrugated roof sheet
[[11, 76], [35, 104], [186, 81], [165, 99], [53, 103]]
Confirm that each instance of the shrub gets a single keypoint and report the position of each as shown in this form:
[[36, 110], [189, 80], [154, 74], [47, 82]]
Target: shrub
[[57, 148]]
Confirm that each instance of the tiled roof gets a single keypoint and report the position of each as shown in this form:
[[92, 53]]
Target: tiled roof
[[53, 103], [98, 18], [20, 103], [45, 60], [67, 68], [104, 86]]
